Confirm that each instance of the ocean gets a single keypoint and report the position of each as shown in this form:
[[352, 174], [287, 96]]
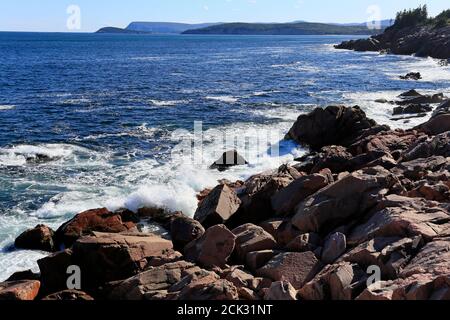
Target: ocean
[[89, 120]]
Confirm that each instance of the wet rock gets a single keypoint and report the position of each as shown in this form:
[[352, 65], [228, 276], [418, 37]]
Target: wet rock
[[101, 220], [250, 238], [38, 238], [218, 206], [334, 246], [436, 125], [370, 44], [106, 257], [24, 275], [443, 108], [412, 76], [184, 230], [26, 290], [69, 295], [297, 268], [410, 93], [422, 99], [342, 201], [412, 108], [214, 248], [227, 160], [335, 125], [285, 201], [281, 291]]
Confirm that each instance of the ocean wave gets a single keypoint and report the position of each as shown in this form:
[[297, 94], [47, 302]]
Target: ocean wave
[[7, 107], [226, 99], [168, 103]]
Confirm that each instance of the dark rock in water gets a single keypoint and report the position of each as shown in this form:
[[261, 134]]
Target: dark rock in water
[[101, 220], [39, 238], [26, 290], [443, 108], [436, 125], [227, 160], [422, 99], [412, 76], [24, 275], [69, 295], [371, 44], [39, 158], [218, 207], [410, 93], [335, 125], [412, 108]]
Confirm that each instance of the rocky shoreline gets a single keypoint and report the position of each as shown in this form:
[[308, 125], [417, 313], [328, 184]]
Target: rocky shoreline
[[422, 41], [365, 197]]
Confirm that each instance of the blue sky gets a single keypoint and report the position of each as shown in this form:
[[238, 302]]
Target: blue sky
[[51, 15]]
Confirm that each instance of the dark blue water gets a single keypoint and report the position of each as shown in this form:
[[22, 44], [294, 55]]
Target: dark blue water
[[103, 109]]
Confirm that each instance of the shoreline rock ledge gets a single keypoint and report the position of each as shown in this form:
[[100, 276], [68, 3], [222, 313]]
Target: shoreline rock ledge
[[366, 196]]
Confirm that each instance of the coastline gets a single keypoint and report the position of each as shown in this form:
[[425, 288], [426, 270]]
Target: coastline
[[365, 193]]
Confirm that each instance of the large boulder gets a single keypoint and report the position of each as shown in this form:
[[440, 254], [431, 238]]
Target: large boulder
[[26, 290], [422, 99], [334, 246], [347, 199], [184, 230], [227, 160], [297, 268], [105, 257], [412, 76], [213, 249], [101, 220], [285, 201], [436, 125], [53, 270], [218, 206], [443, 108], [250, 238], [334, 125], [436, 146], [38, 238], [208, 288], [281, 291]]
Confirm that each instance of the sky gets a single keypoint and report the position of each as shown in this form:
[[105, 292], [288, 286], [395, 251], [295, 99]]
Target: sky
[[90, 15]]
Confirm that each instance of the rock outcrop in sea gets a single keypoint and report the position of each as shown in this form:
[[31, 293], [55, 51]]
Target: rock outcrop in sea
[[367, 197]]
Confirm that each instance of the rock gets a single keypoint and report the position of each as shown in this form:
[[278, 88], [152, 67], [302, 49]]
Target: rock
[[297, 268], [53, 270], [272, 226], [144, 285], [443, 108], [422, 99], [227, 160], [184, 230], [342, 281], [101, 220], [167, 256], [207, 289], [257, 259], [305, 242], [248, 294], [398, 216], [69, 295], [371, 44], [286, 233], [419, 169], [335, 158], [250, 238], [335, 125], [39, 238], [24, 275], [26, 290], [342, 201], [213, 249], [335, 245], [281, 291], [240, 278], [410, 93], [436, 146], [434, 192], [218, 206], [436, 125], [412, 76], [412, 108], [285, 201], [106, 257]]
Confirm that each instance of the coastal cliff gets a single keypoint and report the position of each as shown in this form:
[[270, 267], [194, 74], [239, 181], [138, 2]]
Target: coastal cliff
[[413, 33], [365, 196]]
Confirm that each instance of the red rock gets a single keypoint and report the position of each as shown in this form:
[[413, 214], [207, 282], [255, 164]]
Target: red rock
[[305, 242], [101, 220], [54, 271], [209, 288], [251, 238], [184, 230], [247, 294], [297, 268], [69, 295], [272, 226], [285, 201], [436, 125], [213, 249], [106, 257], [167, 256], [257, 259], [240, 278], [26, 290], [335, 245], [39, 238], [281, 291], [286, 233], [218, 206]]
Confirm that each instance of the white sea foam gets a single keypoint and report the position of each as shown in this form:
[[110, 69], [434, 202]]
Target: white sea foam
[[226, 99], [19, 155], [7, 107], [167, 103]]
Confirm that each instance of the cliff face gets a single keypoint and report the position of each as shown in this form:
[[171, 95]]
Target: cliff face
[[423, 41]]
